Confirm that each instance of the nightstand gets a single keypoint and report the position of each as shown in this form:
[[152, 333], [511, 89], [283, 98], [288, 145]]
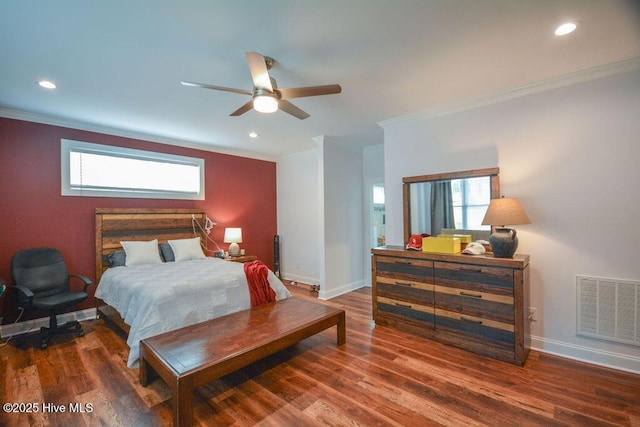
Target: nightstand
[[242, 258]]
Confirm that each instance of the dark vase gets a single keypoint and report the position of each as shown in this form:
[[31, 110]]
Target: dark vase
[[504, 242]]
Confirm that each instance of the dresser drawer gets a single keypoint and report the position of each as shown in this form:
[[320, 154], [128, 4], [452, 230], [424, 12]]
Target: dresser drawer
[[404, 268], [405, 290], [403, 310], [482, 305], [474, 277], [476, 329]]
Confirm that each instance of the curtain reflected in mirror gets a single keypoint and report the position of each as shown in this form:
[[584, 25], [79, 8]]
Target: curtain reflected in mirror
[[441, 207]]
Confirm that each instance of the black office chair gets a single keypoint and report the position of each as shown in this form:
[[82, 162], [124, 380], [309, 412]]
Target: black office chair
[[41, 282]]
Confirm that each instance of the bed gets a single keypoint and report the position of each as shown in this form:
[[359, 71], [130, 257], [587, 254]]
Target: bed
[[151, 298]]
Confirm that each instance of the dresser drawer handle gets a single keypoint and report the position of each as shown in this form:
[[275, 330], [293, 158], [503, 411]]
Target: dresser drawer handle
[[403, 262], [403, 305], [477, 322], [466, 294], [404, 284], [473, 270]]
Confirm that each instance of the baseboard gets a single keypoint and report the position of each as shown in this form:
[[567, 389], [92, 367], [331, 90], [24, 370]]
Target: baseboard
[[311, 281], [324, 295], [297, 284], [604, 358], [35, 324], [314, 284]]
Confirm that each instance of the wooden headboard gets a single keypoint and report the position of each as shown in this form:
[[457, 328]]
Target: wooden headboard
[[116, 225]]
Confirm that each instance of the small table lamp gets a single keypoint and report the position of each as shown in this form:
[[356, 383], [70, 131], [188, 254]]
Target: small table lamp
[[233, 236], [502, 211]]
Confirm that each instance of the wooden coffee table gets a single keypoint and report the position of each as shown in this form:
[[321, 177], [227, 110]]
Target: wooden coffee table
[[198, 354]]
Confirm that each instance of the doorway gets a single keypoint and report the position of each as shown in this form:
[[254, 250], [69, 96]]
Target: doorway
[[378, 217]]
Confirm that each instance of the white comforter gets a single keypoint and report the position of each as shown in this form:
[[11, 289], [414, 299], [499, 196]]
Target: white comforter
[[161, 297]]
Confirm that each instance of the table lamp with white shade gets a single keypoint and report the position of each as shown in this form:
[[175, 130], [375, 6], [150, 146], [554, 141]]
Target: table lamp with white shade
[[501, 212], [233, 236]]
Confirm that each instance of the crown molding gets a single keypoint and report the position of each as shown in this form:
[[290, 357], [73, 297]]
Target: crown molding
[[92, 127], [582, 76]]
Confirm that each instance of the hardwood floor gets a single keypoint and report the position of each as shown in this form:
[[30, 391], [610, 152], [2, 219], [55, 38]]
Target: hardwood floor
[[380, 377]]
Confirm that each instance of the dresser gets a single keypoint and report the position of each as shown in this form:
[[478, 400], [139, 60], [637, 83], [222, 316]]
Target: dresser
[[475, 302]]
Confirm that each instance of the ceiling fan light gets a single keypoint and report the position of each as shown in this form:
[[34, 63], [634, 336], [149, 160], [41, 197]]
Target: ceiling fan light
[[265, 104]]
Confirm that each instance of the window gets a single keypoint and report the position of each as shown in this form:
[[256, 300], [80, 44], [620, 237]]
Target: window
[[471, 197], [378, 194], [97, 170]]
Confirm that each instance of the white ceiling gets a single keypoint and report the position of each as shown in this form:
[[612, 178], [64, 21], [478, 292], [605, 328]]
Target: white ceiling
[[118, 63]]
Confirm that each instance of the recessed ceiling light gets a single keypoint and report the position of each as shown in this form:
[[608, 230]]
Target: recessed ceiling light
[[253, 135], [566, 28], [47, 84]]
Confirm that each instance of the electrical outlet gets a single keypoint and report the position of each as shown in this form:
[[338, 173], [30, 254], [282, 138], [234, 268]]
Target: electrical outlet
[[533, 315]]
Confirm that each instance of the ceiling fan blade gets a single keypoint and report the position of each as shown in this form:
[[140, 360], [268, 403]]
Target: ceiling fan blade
[[259, 71], [246, 107], [288, 107], [299, 92], [222, 88]]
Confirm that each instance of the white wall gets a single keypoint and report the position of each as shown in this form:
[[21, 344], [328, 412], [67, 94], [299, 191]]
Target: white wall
[[320, 217], [299, 216], [571, 155], [342, 172]]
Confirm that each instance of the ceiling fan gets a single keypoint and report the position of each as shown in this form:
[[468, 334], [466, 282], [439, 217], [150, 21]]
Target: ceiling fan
[[266, 96]]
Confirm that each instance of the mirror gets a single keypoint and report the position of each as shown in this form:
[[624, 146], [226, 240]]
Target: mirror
[[459, 201]]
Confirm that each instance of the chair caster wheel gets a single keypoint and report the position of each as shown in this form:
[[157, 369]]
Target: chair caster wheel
[[81, 333], [43, 345]]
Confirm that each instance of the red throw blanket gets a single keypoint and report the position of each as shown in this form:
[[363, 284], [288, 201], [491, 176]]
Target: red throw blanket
[[259, 288]]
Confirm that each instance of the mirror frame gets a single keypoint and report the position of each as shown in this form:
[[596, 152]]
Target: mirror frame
[[492, 173]]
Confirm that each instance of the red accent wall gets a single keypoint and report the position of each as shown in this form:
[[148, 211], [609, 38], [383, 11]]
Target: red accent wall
[[239, 192]]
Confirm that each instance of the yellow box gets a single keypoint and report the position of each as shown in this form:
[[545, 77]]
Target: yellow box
[[464, 238], [443, 245]]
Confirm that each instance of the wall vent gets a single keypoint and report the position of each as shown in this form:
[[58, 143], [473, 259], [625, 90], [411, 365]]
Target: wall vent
[[608, 309]]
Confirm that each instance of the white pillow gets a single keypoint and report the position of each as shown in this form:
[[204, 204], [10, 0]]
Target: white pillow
[[139, 253], [186, 249]]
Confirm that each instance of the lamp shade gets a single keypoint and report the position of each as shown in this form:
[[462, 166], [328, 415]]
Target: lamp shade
[[233, 235], [505, 211]]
